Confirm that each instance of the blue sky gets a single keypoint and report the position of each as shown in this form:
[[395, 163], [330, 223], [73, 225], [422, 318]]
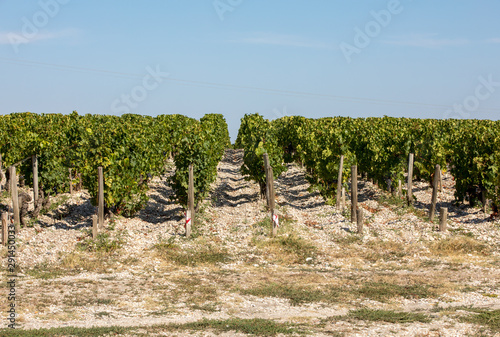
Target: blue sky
[[422, 59]]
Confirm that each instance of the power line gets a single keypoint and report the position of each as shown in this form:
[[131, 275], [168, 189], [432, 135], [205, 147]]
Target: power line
[[233, 86]]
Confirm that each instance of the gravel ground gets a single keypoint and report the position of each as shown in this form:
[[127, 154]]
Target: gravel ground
[[62, 285]]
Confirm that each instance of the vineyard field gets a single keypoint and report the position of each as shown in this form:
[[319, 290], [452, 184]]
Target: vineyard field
[[318, 276]]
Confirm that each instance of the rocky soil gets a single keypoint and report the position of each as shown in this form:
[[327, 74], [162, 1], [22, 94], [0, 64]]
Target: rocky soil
[[318, 275]]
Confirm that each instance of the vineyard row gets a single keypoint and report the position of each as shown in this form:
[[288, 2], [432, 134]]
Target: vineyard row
[[130, 149], [380, 148]]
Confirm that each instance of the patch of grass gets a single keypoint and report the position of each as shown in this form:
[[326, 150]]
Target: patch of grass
[[83, 300], [62, 332], [205, 254], [71, 264], [31, 222], [262, 227], [430, 263], [352, 246], [295, 245], [487, 318], [256, 326], [75, 261], [60, 200], [285, 218], [461, 231], [389, 200], [209, 307], [382, 292], [194, 291], [102, 314], [333, 333], [469, 289], [103, 243], [346, 212], [387, 250], [45, 272], [111, 224], [468, 234], [296, 295], [287, 248], [400, 205], [387, 316], [459, 245], [130, 261], [3, 196], [348, 239]]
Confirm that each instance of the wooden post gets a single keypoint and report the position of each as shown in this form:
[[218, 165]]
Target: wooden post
[[435, 184], [484, 201], [15, 198], [190, 201], [339, 183], [400, 189], [94, 226], [34, 163], [272, 201], [100, 209], [440, 181], [267, 165], [270, 192], [343, 198], [70, 182], [359, 220], [410, 179], [79, 181], [354, 192], [5, 232], [443, 219]]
